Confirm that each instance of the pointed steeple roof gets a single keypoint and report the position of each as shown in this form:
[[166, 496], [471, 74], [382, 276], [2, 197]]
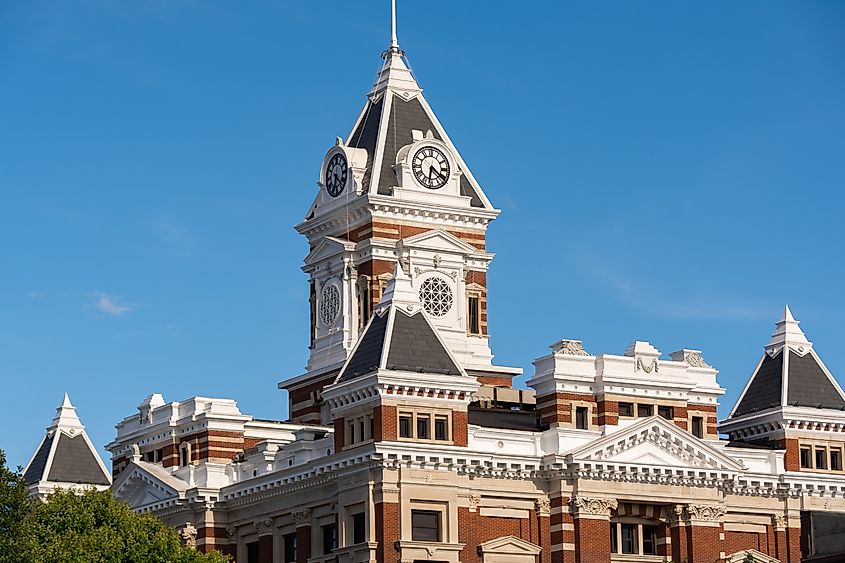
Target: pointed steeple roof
[[399, 336], [789, 374], [65, 456]]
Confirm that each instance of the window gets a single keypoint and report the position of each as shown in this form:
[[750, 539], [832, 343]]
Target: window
[[405, 425], [698, 426], [423, 422], [184, 454], [821, 458], [351, 433], [290, 548], [649, 540], [358, 528], [835, 459], [626, 409], [666, 412], [806, 458], [252, 552], [364, 302], [425, 525], [329, 533], [645, 410], [441, 427], [630, 544], [631, 538], [581, 418], [474, 314]]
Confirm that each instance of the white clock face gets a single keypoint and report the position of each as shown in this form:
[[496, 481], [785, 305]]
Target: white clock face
[[430, 167]]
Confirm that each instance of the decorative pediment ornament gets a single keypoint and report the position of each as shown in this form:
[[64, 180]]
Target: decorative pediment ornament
[[302, 517], [543, 506], [264, 526], [695, 360], [705, 513], [648, 368], [587, 506], [189, 535], [570, 348], [231, 532]]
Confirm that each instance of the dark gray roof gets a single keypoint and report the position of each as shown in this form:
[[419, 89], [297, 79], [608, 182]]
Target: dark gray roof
[[36, 469], [502, 418], [809, 385], [765, 389], [366, 135], [74, 462], [406, 116], [415, 347], [367, 356]]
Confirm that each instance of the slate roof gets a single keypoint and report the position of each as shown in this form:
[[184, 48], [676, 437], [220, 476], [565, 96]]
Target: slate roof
[[36, 467], [367, 356], [765, 389], [74, 462], [809, 385], [415, 347]]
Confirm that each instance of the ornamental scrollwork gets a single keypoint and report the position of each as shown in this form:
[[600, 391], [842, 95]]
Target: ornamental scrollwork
[[652, 367], [695, 360], [302, 517], [779, 521], [594, 506], [189, 535], [543, 506], [263, 526], [474, 502], [571, 348], [705, 513]]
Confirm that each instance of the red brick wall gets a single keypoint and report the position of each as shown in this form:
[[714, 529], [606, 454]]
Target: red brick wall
[[339, 434], [705, 545], [680, 542], [736, 541], [793, 536], [559, 537], [387, 531], [460, 428], [495, 381], [608, 412], [792, 458], [304, 393], [265, 549], [385, 422], [303, 544], [592, 540], [558, 407]]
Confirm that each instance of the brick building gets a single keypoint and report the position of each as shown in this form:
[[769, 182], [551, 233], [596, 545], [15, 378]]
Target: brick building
[[407, 443]]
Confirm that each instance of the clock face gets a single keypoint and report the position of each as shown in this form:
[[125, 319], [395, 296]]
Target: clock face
[[336, 174], [430, 167]]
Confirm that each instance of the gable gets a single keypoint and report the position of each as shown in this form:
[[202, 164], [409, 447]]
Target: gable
[[510, 549], [138, 486], [327, 248], [654, 441], [439, 240]]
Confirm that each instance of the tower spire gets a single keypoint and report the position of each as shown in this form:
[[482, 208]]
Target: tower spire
[[394, 41]]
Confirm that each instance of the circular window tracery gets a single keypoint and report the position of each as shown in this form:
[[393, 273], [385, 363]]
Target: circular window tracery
[[329, 304], [436, 296]]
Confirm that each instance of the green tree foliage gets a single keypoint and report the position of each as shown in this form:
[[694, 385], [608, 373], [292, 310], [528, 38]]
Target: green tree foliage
[[83, 526]]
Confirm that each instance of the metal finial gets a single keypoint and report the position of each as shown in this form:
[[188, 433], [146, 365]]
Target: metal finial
[[394, 41]]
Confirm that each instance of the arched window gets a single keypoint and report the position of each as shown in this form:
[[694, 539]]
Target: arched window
[[184, 454]]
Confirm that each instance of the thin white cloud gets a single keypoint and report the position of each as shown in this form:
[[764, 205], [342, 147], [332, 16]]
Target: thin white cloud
[[111, 304]]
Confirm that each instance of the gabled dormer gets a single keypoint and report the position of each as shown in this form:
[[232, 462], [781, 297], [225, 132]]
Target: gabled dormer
[[401, 382], [792, 402]]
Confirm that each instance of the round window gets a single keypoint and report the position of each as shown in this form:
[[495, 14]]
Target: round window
[[436, 296], [329, 304]]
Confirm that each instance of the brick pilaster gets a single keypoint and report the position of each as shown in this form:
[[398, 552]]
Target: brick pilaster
[[387, 531], [302, 519], [592, 529]]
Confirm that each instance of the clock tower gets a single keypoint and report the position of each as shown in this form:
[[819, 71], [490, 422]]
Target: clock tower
[[395, 188]]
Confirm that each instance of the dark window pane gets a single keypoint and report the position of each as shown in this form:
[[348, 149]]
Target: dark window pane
[[252, 552], [626, 409], [290, 548], [474, 316], [329, 532], [698, 427], [666, 412], [821, 458], [581, 415], [441, 428], [425, 525], [422, 427], [358, 528], [836, 460], [405, 426], [645, 410], [649, 540], [630, 544], [614, 541], [806, 458]]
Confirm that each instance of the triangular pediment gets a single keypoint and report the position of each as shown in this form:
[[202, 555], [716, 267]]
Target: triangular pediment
[[327, 248], [509, 545], [139, 485], [755, 556], [654, 441], [439, 240]]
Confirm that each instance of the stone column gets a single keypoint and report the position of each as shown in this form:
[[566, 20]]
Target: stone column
[[592, 528], [302, 521], [264, 528]]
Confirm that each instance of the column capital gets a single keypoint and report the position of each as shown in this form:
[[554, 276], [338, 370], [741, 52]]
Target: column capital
[[543, 506], [264, 526], [695, 515], [779, 522], [302, 518], [592, 507]]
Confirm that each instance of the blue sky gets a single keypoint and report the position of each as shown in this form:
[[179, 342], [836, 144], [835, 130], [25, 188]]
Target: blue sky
[[667, 171]]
